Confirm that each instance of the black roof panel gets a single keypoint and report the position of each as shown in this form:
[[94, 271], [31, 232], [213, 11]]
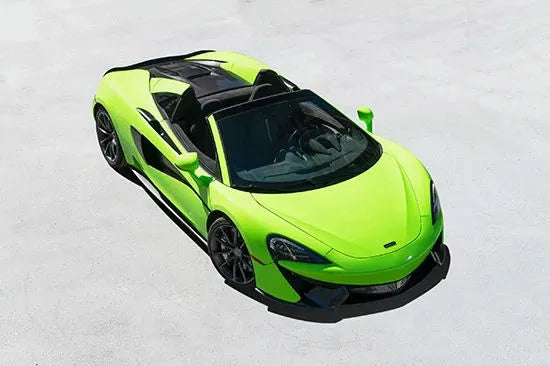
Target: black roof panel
[[205, 79]]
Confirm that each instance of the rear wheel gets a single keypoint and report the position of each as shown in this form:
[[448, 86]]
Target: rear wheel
[[108, 140], [229, 253]]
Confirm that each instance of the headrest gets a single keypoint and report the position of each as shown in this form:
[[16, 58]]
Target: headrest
[[211, 105], [262, 91]]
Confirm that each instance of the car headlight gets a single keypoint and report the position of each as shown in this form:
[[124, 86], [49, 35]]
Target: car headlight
[[284, 249], [436, 206]]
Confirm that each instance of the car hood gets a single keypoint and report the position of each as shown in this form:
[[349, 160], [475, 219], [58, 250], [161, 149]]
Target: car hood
[[356, 217]]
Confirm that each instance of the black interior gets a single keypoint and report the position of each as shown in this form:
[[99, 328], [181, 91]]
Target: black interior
[[267, 83], [188, 114], [209, 106], [189, 119], [292, 142], [262, 90], [167, 102]]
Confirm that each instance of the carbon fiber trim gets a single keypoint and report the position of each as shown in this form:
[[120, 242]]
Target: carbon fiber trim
[[151, 62]]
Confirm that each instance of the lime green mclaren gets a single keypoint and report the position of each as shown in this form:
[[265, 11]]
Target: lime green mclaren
[[292, 198]]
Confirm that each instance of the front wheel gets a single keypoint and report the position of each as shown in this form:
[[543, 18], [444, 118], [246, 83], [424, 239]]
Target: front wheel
[[229, 253]]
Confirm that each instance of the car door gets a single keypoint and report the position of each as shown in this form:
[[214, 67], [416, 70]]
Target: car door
[[187, 192]]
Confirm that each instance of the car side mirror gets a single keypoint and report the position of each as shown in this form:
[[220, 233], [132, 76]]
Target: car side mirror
[[188, 161], [365, 114]]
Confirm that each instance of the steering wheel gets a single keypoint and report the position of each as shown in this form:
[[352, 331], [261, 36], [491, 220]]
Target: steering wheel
[[300, 132], [296, 134]]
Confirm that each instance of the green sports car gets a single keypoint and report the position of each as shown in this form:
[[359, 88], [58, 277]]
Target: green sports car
[[290, 196]]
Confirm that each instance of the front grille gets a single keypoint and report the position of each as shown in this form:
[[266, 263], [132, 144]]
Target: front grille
[[383, 289]]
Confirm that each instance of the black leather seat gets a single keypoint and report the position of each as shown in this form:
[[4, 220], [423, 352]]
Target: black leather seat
[[189, 120], [261, 91], [201, 136], [210, 106], [187, 110]]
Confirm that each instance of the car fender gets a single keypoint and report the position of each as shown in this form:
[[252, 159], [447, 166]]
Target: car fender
[[416, 172]]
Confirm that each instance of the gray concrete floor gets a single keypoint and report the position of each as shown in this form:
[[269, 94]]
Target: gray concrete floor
[[92, 272]]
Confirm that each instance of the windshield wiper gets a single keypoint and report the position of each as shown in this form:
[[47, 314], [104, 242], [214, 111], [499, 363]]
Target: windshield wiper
[[258, 189], [280, 187], [290, 186]]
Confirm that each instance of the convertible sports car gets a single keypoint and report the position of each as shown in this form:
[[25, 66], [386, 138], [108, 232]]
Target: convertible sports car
[[290, 196]]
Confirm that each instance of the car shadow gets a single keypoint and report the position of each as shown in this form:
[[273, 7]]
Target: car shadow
[[425, 278]]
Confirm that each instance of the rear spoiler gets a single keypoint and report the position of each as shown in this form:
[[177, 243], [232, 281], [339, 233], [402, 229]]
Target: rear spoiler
[[156, 61]]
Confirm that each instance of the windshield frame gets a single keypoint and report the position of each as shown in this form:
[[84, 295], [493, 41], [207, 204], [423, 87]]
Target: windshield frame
[[299, 185]]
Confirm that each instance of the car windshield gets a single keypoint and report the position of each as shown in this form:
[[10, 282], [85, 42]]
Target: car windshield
[[292, 142]]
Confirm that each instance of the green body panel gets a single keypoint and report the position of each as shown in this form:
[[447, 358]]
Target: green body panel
[[415, 171], [162, 85], [121, 93], [126, 90], [183, 198], [348, 222], [270, 280]]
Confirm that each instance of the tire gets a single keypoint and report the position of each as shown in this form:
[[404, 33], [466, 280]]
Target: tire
[[108, 140], [229, 253]]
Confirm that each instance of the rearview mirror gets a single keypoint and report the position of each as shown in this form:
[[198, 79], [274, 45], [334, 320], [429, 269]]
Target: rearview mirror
[[365, 114], [187, 161]]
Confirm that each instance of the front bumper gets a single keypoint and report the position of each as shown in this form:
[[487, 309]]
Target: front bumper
[[325, 295], [344, 271]]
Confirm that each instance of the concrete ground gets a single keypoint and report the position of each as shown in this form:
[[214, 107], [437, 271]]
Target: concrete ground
[[93, 272]]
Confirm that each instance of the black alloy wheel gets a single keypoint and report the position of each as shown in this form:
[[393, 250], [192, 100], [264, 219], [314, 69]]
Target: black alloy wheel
[[229, 253]]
